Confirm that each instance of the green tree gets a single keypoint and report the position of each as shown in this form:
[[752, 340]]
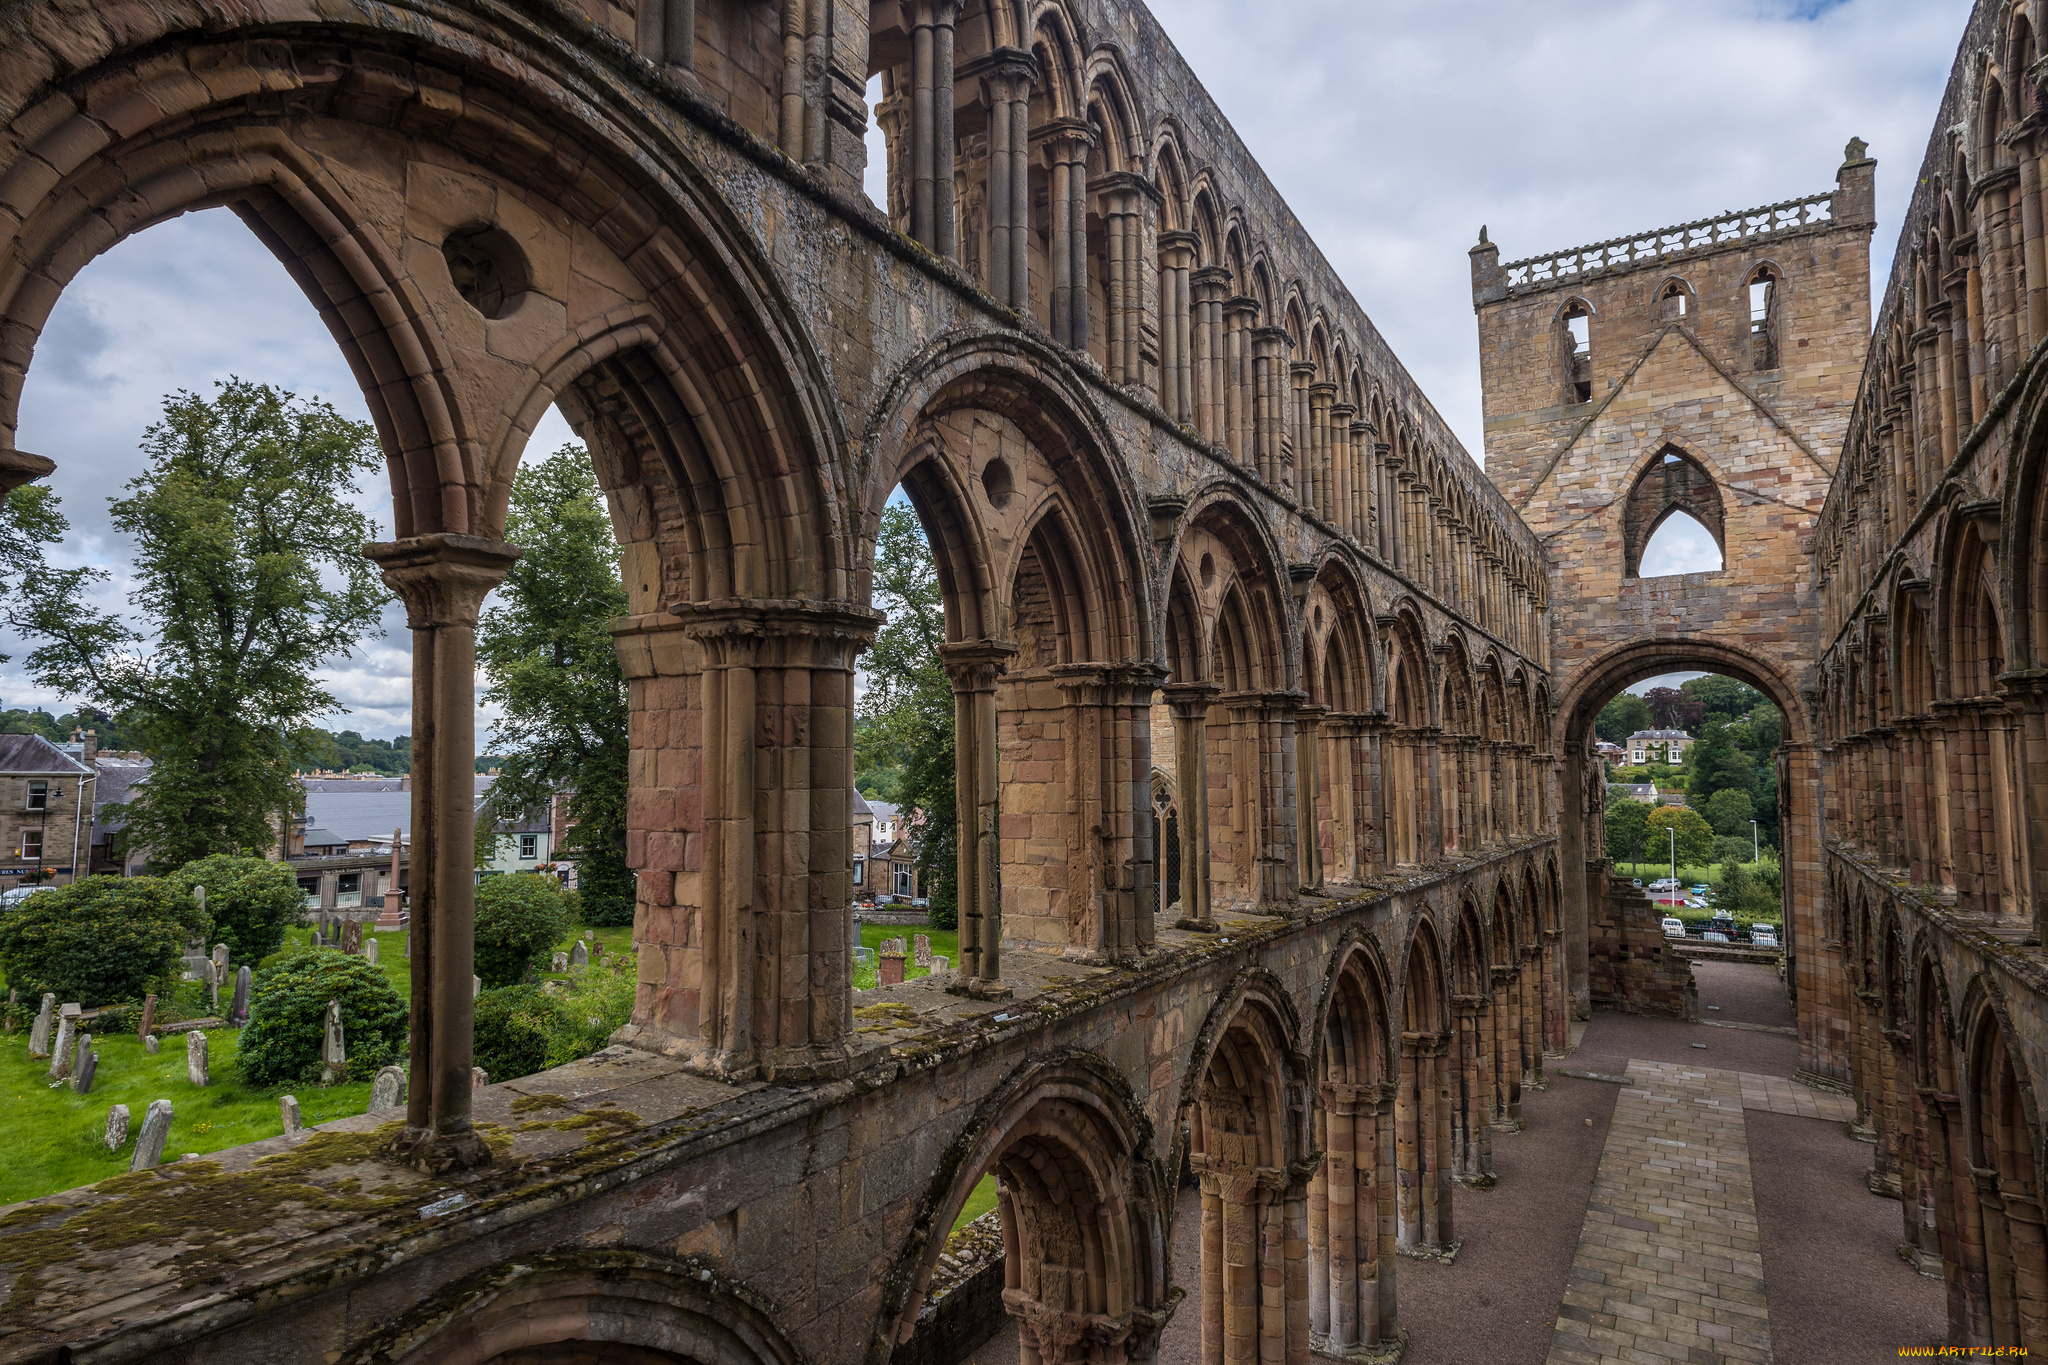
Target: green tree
[[99, 940], [252, 901], [1728, 811], [1717, 764], [1627, 829], [1764, 803], [1722, 698], [29, 520], [548, 656], [288, 1018], [1622, 717], [249, 575], [519, 918], [906, 703], [1695, 835]]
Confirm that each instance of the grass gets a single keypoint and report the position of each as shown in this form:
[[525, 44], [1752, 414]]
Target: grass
[[53, 1135], [979, 1201], [1688, 875], [945, 943]]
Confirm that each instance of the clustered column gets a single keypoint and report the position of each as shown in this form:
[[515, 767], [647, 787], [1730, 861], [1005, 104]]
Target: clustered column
[[1178, 367], [1108, 744], [1269, 381], [1209, 362], [1007, 84], [931, 124], [1350, 1221], [974, 668], [1123, 197], [1241, 380], [1255, 1308], [1308, 794], [1068, 141], [1189, 704], [442, 579], [1422, 1146]]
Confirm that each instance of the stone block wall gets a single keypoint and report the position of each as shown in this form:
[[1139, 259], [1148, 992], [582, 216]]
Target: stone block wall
[[1634, 967]]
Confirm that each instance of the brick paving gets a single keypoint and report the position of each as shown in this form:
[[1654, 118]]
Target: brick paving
[[1776, 1095], [1670, 1264]]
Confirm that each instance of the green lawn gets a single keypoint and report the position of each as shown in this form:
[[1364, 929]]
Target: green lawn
[[1688, 875], [980, 1201], [392, 961], [945, 943], [54, 1136]]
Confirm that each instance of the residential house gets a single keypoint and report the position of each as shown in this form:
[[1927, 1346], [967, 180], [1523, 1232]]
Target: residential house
[[863, 838], [1645, 792], [1658, 746], [45, 810], [525, 845]]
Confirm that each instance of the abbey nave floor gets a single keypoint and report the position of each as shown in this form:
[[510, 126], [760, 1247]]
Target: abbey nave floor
[[1768, 1165]]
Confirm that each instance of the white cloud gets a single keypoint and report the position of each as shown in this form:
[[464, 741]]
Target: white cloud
[[1392, 129]]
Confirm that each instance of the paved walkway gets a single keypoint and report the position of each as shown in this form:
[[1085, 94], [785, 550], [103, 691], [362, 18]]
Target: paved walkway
[[1670, 1262]]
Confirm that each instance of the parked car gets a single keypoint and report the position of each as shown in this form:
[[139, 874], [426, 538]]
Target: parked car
[[1700, 888], [1764, 936], [12, 899], [920, 903], [1636, 882], [1664, 884], [1674, 927], [1713, 936]]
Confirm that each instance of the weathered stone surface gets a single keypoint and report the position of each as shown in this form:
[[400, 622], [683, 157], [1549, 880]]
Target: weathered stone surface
[[196, 1069], [387, 1089], [288, 1111], [116, 1132], [149, 1143], [39, 1032]]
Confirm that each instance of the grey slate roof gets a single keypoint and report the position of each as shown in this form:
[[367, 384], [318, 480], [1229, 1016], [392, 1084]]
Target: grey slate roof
[[359, 814], [36, 756]]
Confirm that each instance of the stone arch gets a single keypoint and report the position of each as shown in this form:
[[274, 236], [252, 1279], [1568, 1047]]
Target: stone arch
[[1080, 1205], [637, 1307], [2003, 1132], [1351, 1259], [1334, 733], [1672, 481], [1422, 1101], [1474, 1082], [1972, 655]]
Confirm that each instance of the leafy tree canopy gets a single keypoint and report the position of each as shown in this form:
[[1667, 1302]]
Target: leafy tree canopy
[[252, 901], [249, 574], [1671, 709], [906, 704], [1721, 696], [99, 940], [29, 520], [1717, 763], [519, 918], [548, 656], [1627, 829], [288, 1018], [1728, 811], [1695, 835], [1622, 717]]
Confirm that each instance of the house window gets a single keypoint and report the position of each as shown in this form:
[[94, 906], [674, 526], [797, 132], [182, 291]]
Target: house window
[[860, 871], [529, 847], [1638, 756], [32, 845], [309, 887], [38, 796]]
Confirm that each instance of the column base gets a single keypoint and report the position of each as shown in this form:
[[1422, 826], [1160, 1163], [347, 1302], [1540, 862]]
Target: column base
[[1863, 1132], [1885, 1185], [978, 989], [1478, 1182], [1441, 1255], [1386, 1353], [719, 1063], [820, 1062], [1820, 1082], [1921, 1261], [435, 1153], [1196, 926], [1510, 1124]]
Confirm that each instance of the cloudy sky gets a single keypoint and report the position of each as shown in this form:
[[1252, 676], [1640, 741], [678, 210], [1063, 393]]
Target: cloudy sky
[[1394, 128]]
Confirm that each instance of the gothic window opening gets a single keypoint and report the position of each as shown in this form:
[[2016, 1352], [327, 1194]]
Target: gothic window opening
[[1674, 303], [1763, 319], [1575, 342], [1673, 521]]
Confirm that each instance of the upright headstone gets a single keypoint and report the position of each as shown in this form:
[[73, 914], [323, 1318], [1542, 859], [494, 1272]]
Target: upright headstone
[[890, 971], [87, 1066], [333, 1048], [478, 1078], [39, 1035], [923, 947], [352, 937], [116, 1135], [560, 963], [60, 1051], [81, 1046], [941, 964], [151, 1045], [195, 1058], [590, 935], [70, 1011], [220, 961], [597, 952], [476, 987], [405, 944], [579, 956], [370, 950], [149, 1144], [239, 1011], [148, 1016], [387, 1091], [288, 1109]]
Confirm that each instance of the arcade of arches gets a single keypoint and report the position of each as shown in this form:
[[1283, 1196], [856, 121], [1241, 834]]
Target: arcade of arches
[[1279, 864]]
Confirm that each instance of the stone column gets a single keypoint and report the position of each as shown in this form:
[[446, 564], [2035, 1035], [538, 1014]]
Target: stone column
[[1278, 887], [1067, 142], [1189, 704], [1177, 364], [1343, 468], [1268, 357], [442, 579], [1308, 795], [931, 124], [1240, 387], [1303, 469], [1209, 362], [974, 667], [1321, 473], [1007, 87]]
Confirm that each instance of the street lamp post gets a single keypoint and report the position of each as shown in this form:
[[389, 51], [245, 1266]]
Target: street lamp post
[[1672, 830], [1755, 848]]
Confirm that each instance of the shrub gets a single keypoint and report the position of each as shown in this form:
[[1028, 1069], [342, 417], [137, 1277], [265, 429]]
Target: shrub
[[591, 1007], [519, 917], [1730, 848], [252, 901], [288, 1018], [514, 1025], [604, 891], [98, 940]]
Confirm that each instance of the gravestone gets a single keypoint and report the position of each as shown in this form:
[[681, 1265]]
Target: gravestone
[[60, 1051], [370, 950], [149, 1144], [352, 937], [890, 971], [151, 1045], [597, 952], [220, 961], [579, 956], [333, 1048], [70, 1011], [476, 987], [405, 944], [387, 1091], [148, 1016], [923, 950], [116, 1134], [39, 1035], [87, 1067], [478, 1078], [239, 1011], [195, 1058], [941, 964], [80, 1050], [288, 1110], [560, 963], [590, 935]]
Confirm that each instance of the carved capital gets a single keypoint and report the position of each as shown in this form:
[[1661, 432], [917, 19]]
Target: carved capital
[[974, 665], [443, 578]]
